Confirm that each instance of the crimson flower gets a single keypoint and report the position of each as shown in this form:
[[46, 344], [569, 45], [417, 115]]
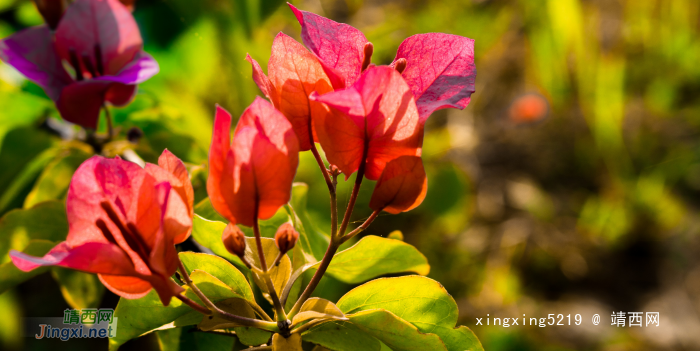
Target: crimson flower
[[294, 73], [439, 68], [374, 121], [100, 41], [252, 177], [124, 222]]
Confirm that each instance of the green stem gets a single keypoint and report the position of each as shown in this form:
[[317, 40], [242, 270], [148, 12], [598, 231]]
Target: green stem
[[110, 127]]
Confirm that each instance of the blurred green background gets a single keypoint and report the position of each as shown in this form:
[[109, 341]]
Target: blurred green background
[[591, 209]]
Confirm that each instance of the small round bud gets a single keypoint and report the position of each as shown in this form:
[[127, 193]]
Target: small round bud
[[286, 237], [400, 65], [335, 171], [234, 240]]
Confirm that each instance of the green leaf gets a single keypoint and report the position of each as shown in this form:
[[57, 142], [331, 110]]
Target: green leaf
[[146, 314], [292, 343], [312, 240], [459, 339], [415, 299], [205, 209], [11, 275], [45, 221], [395, 332], [375, 256], [418, 300], [55, 178], [341, 336], [317, 308], [186, 339], [79, 289], [25, 178], [219, 268], [246, 335], [208, 234]]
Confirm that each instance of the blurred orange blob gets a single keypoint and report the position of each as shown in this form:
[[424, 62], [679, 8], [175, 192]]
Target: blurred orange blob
[[528, 108]]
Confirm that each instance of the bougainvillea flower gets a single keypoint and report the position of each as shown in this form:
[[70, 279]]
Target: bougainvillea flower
[[101, 43], [402, 186], [294, 73], [438, 67], [374, 121], [252, 176], [124, 222]]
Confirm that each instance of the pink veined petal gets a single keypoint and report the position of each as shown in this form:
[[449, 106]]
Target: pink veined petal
[[104, 23], [89, 257], [31, 52], [339, 46], [261, 79], [219, 194], [440, 70]]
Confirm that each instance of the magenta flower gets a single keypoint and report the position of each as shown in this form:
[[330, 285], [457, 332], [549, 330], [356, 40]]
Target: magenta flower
[[439, 68], [100, 42]]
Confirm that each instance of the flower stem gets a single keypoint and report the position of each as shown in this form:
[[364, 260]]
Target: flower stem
[[110, 127], [213, 309], [281, 316], [331, 190], [325, 262], [195, 306], [353, 198], [362, 227]]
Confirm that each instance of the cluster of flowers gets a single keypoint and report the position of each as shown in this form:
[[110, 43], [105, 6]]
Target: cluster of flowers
[[125, 220]]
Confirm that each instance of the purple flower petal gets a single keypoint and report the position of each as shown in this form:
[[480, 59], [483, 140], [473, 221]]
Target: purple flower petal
[[440, 70], [32, 53], [138, 71]]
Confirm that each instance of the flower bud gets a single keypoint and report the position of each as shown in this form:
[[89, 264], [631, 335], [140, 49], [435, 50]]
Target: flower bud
[[234, 240], [400, 65], [368, 50], [335, 171], [286, 237]]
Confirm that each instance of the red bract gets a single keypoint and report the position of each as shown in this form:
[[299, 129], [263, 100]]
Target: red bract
[[439, 67], [252, 177], [124, 222], [374, 122], [294, 73], [402, 186], [339, 46], [100, 40]]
